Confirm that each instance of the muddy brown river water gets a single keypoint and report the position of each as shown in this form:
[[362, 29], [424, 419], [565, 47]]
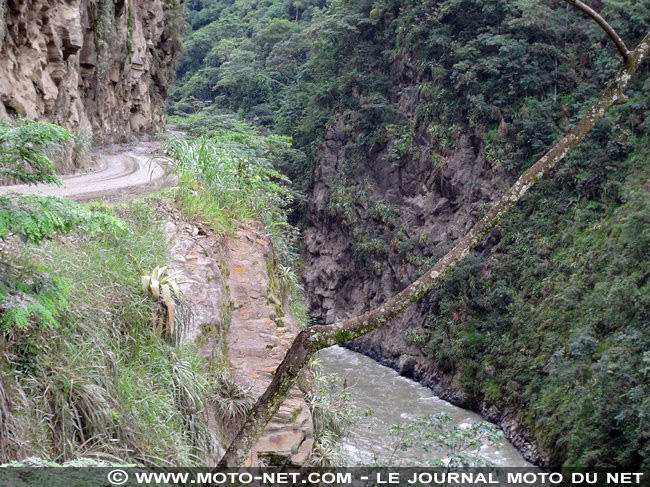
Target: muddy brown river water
[[394, 399]]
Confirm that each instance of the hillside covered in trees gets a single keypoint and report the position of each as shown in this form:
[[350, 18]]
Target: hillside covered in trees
[[408, 119]]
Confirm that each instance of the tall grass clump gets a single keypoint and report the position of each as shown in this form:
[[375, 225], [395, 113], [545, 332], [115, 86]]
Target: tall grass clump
[[221, 179], [231, 174], [231, 403], [102, 383]]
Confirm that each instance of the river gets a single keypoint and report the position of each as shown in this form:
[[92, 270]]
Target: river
[[394, 399]]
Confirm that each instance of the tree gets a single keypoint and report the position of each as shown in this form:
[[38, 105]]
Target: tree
[[311, 340], [277, 30]]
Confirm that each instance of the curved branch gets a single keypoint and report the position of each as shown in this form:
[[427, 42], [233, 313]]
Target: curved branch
[[316, 338], [618, 41]]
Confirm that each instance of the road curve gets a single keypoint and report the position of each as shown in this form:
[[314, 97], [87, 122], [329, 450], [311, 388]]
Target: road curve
[[124, 172]]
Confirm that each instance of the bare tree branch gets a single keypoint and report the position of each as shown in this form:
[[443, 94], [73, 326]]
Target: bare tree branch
[[316, 338], [620, 45]]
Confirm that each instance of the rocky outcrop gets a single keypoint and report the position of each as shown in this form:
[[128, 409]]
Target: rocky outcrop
[[101, 67], [196, 255], [375, 224], [258, 339], [407, 213], [237, 319]]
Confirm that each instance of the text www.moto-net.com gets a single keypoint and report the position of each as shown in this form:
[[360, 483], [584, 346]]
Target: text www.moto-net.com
[[120, 477]]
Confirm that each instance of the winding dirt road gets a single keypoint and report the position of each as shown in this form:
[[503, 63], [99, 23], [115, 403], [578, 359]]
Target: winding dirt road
[[124, 172]]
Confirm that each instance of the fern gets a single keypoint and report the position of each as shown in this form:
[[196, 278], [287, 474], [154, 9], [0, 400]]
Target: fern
[[35, 218], [35, 299], [23, 150], [24, 147]]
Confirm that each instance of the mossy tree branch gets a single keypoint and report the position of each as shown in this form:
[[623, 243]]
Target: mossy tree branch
[[616, 39], [316, 338]]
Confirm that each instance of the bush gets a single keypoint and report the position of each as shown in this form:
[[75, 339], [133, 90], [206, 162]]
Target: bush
[[23, 151]]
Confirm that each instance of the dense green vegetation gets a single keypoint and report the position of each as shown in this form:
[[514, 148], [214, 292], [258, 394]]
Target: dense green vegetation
[[227, 171], [236, 54], [35, 218], [473, 63], [83, 373], [245, 57], [560, 328], [553, 323], [24, 147], [28, 297], [100, 373]]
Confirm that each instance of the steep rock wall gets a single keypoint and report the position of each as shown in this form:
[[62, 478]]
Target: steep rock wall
[[98, 66], [374, 225], [237, 319]]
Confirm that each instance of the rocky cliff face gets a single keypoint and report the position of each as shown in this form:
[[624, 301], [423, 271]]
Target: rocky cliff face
[[376, 224], [237, 319], [98, 66]]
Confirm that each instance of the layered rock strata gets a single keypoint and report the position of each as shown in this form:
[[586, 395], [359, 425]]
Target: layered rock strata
[[101, 67], [237, 318], [260, 334]]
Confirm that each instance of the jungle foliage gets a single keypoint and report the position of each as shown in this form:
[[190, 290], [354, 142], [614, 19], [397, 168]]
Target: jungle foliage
[[230, 52], [558, 326], [471, 63], [554, 321]]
